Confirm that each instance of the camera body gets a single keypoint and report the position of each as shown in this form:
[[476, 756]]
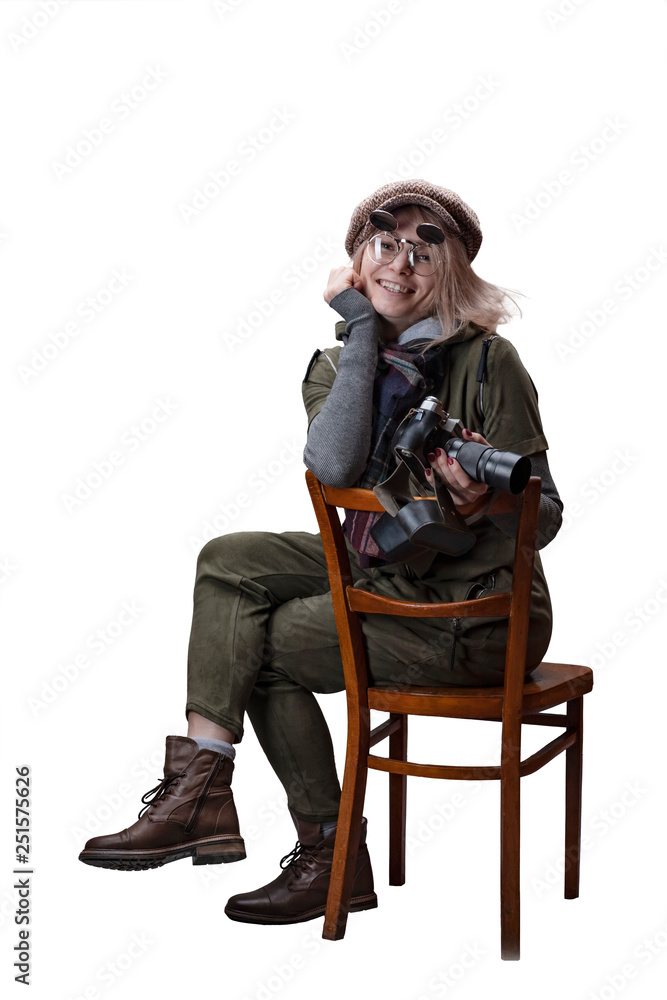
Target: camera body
[[429, 427], [414, 525]]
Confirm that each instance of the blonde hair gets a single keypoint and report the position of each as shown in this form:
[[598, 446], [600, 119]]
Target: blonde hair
[[460, 295]]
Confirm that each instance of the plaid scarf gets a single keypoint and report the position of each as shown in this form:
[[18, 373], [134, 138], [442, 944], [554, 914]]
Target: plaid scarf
[[403, 378]]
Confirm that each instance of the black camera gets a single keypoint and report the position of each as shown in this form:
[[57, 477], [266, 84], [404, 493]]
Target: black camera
[[429, 427], [412, 525]]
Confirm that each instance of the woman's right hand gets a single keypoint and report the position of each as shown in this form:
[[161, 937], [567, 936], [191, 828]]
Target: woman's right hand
[[341, 278]]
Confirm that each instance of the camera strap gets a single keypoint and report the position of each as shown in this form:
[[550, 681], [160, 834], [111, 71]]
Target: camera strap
[[481, 369], [418, 524], [402, 486]]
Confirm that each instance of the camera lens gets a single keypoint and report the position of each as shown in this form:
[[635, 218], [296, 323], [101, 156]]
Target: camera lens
[[501, 469]]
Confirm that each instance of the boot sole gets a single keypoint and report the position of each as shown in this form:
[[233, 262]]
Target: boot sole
[[368, 902], [204, 852]]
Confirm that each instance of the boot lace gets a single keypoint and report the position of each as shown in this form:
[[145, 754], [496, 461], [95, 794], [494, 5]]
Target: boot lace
[[154, 795], [299, 857]]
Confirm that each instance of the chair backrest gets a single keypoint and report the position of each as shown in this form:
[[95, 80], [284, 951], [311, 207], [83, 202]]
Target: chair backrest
[[347, 600]]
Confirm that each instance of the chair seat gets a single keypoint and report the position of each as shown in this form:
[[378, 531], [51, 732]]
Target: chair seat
[[549, 684]]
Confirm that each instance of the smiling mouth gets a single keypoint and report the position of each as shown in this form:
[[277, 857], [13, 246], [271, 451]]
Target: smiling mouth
[[394, 288]]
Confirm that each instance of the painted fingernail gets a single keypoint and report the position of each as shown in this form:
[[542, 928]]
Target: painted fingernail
[[438, 452], [428, 472], [466, 431], [450, 461], [430, 456]]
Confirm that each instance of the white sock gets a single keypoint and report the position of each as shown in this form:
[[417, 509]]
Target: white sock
[[206, 743]]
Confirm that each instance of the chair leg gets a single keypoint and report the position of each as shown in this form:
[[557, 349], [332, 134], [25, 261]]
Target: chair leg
[[573, 782], [510, 826], [348, 831], [398, 784]]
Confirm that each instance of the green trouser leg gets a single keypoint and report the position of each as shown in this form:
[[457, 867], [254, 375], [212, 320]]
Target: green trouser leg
[[242, 580], [264, 639]]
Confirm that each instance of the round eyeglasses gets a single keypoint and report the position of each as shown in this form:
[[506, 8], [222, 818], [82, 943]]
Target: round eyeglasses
[[382, 247]]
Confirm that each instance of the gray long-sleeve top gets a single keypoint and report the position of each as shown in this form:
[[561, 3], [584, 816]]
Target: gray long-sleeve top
[[339, 437]]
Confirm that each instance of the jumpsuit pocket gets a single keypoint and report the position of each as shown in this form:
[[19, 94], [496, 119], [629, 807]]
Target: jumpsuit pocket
[[473, 633], [477, 590], [465, 651]]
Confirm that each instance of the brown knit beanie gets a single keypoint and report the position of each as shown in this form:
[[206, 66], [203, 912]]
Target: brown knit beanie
[[458, 217]]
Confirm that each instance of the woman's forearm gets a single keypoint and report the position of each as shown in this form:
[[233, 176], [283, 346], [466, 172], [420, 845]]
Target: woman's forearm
[[339, 436]]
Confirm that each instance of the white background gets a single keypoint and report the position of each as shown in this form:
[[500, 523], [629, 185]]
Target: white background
[[520, 93]]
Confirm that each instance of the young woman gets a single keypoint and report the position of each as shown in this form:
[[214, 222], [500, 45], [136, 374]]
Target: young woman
[[416, 321]]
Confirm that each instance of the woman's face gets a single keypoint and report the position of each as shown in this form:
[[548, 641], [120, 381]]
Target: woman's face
[[398, 295]]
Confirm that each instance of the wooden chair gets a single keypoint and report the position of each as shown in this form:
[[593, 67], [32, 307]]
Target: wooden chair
[[514, 703]]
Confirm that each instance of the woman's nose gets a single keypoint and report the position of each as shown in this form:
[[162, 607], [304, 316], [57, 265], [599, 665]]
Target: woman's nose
[[400, 263]]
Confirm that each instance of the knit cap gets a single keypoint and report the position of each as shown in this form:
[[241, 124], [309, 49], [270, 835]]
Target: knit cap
[[458, 217]]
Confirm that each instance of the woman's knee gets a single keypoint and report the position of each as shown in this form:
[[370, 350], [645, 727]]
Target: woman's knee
[[231, 551]]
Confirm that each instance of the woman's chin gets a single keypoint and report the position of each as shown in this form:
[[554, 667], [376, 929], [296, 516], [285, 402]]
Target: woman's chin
[[402, 316], [394, 305]]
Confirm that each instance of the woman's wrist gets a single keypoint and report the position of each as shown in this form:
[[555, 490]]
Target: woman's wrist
[[352, 304]]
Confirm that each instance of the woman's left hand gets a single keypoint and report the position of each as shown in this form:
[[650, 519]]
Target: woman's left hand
[[462, 488]]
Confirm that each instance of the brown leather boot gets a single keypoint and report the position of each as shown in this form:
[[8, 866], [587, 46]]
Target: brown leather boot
[[300, 891], [191, 813]]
